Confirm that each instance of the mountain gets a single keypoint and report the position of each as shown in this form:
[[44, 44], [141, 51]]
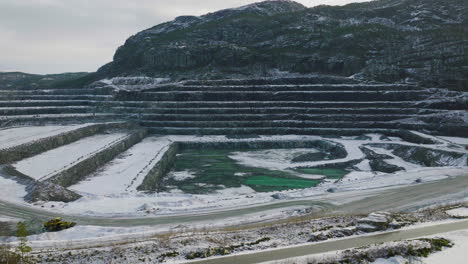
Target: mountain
[[21, 80], [384, 40]]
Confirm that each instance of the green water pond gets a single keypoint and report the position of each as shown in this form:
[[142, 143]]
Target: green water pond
[[213, 169]]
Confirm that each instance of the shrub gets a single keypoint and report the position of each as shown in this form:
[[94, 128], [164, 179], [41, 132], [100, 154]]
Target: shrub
[[23, 248], [8, 256]]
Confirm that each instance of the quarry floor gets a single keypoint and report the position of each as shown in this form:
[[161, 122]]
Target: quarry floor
[[101, 231], [111, 213]]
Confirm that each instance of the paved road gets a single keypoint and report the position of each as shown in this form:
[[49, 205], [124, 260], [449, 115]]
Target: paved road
[[393, 199], [408, 198], [322, 247], [378, 199]]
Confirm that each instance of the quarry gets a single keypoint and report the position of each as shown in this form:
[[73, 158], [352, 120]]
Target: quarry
[[133, 161], [181, 147], [269, 133]]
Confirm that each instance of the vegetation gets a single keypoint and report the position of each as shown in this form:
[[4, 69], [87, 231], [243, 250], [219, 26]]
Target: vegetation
[[5, 229], [20, 80], [171, 254], [223, 250], [22, 234], [20, 254], [8, 256]]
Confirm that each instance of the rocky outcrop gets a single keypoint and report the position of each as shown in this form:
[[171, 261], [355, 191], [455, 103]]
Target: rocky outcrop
[[39, 191], [47, 191], [377, 221], [427, 156], [385, 40], [382, 166], [377, 161]]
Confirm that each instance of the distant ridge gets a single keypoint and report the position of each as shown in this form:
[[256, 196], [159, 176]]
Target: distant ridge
[[385, 40]]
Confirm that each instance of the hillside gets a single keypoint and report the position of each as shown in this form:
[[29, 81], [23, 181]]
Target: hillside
[[21, 80], [384, 40]]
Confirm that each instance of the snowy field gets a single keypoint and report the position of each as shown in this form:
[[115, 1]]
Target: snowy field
[[459, 212], [20, 135], [454, 255], [456, 140], [47, 164], [179, 203], [11, 191], [111, 191], [168, 203], [127, 171]]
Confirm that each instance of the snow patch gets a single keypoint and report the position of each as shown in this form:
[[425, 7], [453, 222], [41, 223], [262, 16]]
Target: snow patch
[[458, 212], [182, 175], [11, 190]]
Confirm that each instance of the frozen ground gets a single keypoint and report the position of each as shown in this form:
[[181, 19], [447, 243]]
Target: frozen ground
[[352, 146], [16, 136], [459, 212], [181, 175], [456, 140], [11, 191], [454, 255], [177, 203], [273, 155], [112, 190], [87, 235], [45, 165], [127, 171], [129, 245]]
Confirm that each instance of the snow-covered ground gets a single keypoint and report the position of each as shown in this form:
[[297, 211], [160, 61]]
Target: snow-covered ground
[[454, 255], [176, 203], [87, 235], [127, 171], [112, 190], [11, 191], [49, 163], [459, 212], [192, 237], [20, 135], [274, 155], [456, 140], [395, 160], [181, 175]]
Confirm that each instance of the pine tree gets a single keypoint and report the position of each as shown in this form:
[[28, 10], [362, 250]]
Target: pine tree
[[22, 234]]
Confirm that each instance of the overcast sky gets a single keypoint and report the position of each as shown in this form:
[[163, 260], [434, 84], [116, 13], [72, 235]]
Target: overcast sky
[[54, 36]]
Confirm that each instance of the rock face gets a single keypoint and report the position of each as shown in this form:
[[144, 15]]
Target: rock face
[[384, 40], [51, 192], [377, 221]]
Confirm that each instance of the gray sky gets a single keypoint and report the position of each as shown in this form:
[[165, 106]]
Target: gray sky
[[54, 36]]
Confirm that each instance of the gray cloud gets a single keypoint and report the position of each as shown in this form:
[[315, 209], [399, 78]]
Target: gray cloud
[[51, 36]]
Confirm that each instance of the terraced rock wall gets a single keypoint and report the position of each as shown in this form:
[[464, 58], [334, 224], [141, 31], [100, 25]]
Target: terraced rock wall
[[337, 150], [82, 169], [153, 179], [30, 149], [314, 105]]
